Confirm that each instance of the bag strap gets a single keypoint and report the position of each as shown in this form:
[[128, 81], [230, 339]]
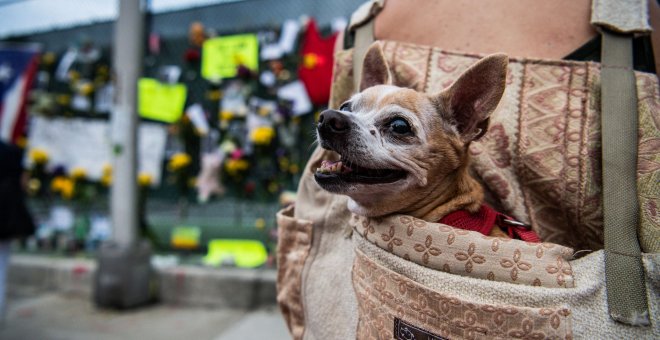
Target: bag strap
[[621, 16], [362, 25], [618, 21]]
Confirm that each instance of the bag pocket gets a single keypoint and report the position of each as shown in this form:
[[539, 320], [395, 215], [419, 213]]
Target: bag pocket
[[468, 253], [293, 245], [391, 305]]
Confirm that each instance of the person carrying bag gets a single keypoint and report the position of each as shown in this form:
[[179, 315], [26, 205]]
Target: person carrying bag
[[572, 150]]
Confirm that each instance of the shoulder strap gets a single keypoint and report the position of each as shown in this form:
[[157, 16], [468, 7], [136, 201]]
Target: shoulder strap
[[621, 16], [624, 273], [362, 25]]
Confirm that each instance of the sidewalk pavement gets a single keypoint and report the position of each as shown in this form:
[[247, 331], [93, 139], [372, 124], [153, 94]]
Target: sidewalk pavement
[[60, 316], [50, 298], [179, 285]]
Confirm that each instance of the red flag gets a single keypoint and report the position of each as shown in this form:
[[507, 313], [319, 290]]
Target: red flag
[[317, 60]]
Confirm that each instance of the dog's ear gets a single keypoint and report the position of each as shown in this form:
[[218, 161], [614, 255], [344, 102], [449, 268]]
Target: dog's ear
[[475, 94], [375, 70]]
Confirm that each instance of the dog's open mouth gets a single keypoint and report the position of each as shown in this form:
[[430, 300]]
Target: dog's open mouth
[[336, 172]]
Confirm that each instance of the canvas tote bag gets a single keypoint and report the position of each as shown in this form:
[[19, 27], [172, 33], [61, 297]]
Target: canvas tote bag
[[597, 273]]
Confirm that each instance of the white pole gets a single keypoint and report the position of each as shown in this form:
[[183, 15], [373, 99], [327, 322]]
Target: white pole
[[127, 64]]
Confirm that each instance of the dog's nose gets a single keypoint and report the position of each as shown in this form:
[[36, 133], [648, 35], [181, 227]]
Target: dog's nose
[[333, 121]]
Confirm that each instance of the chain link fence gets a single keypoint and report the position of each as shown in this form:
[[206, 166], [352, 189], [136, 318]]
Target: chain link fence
[[250, 200]]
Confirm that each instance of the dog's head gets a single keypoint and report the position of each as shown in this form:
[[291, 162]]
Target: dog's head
[[398, 146]]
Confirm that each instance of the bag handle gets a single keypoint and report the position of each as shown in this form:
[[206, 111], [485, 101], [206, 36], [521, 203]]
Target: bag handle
[[624, 272], [362, 25]]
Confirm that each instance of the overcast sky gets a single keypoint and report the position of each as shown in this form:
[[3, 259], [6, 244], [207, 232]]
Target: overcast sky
[[21, 17]]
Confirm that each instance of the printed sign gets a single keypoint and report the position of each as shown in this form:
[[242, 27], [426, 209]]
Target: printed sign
[[87, 144], [221, 56]]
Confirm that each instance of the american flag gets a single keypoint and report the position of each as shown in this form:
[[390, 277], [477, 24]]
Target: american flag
[[18, 66]]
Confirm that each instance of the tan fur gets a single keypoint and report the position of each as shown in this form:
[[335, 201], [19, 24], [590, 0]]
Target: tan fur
[[435, 156]]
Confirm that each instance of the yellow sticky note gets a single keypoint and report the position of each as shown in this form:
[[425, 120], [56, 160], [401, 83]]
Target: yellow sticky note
[[221, 56], [243, 253], [159, 101]]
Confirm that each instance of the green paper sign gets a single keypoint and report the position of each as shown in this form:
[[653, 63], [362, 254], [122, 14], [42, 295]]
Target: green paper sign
[[242, 253], [221, 56], [162, 102]]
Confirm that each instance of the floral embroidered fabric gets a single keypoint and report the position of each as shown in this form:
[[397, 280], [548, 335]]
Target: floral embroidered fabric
[[469, 253]]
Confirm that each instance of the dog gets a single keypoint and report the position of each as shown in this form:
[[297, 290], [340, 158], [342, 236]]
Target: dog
[[406, 152]]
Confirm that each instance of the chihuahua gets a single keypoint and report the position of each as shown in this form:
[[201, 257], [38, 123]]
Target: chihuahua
[[402, 151]]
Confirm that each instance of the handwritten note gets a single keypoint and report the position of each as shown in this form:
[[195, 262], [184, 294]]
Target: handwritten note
[[159, 101], [221, 56]]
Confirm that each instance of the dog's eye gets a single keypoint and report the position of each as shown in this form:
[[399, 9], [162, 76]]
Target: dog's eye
[[345, 107], [400, 126]]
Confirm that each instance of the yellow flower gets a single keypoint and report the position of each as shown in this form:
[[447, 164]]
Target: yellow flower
[[145, 179], [284, 163], [293, 169], [178, 161], [63, 99], [226, 116], [262, 135], [86, 88], [234, 166], [57, 183], [21, 142], [78, 173], [39, 156], [272, 187], [65, 186], [106, 180], [260, 223], [48, 58], [74, 75], [264, 111], [102, 69], [106, 175], [107, 169], [68, 187], [214, 95]]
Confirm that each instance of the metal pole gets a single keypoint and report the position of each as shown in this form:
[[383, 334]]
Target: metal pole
[[123, 277], [128, 54]]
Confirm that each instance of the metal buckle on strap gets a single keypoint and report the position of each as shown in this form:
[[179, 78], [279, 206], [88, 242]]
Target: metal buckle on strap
[[514, 223]]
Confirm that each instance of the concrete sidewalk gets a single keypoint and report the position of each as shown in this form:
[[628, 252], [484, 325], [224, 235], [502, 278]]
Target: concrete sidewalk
[[181, 285], [60, 316]]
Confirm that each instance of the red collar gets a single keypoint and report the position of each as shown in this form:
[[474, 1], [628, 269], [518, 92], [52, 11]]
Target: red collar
[[486, 219]]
